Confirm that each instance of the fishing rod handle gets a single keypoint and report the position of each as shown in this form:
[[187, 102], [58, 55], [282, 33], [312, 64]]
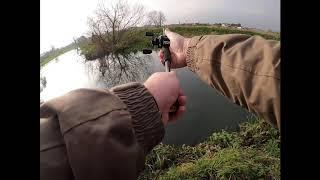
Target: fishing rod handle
[[167, 55], [167, 65]]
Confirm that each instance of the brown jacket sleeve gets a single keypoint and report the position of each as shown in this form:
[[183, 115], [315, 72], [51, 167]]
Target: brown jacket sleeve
[[246, 69], [98, 134]]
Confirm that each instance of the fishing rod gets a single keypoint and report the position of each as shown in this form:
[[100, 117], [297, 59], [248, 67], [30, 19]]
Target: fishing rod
[[163, 42]]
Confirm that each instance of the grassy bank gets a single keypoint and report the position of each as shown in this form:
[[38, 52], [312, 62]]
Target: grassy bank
[[251, 153], [190, 31], [141, 41], [206, 30], [48, 56]]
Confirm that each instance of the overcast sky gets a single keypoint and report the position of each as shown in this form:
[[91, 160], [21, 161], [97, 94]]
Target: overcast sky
[[61, 20]]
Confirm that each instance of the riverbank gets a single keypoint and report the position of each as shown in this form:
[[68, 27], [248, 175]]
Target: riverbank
[[90, 52], [51, 55], [251, 153]]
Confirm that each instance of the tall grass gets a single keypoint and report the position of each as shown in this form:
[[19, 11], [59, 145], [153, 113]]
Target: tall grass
[[251, 153]]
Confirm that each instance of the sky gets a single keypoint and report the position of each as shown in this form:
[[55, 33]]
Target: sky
[[62, 20]]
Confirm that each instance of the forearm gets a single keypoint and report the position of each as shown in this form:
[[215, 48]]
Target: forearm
[[104, 134], [245, 69]]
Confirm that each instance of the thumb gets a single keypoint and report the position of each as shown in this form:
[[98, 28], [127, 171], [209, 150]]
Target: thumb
[[169, 33], [166, 30]]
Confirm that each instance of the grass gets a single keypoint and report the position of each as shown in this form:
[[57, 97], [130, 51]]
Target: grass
[[251, 153], [213, 30], [190, 31]]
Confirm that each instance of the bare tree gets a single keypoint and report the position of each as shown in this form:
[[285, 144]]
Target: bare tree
[[52, 48], [152, 18], [161, 18], [156, 18], [43, 82], [110, 24]]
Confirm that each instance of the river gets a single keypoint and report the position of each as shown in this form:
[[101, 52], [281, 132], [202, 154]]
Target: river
[[207, 110]]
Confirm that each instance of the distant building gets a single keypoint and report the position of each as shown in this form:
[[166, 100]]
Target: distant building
[[236, 25], [230, 25]]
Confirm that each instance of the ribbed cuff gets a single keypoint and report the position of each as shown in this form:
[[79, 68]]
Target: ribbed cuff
[[191, 59], [146, 119], [191, 53]]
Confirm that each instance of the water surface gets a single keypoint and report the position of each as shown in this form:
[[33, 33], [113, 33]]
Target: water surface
[[207, 110]]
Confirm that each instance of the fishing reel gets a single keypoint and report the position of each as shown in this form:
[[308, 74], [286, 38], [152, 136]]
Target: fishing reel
[[163, 42]]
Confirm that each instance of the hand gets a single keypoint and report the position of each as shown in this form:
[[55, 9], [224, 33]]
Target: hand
[[165, 88], [178, 49]]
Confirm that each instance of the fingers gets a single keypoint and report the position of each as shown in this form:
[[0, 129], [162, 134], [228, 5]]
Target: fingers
[[182, 100], [181, 92], [173, 58], [182, 107], [177, 114], [161, 56]]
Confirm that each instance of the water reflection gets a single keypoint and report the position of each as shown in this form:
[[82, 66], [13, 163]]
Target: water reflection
[[43, 82], [115, 69]]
